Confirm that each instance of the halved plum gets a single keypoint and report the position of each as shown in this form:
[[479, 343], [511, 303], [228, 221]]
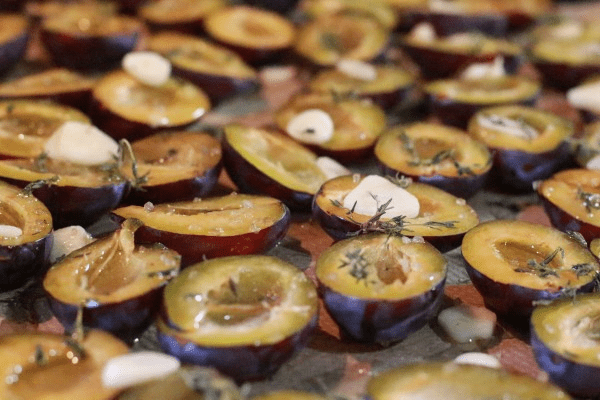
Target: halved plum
[[356, 124], [390, 88], [453, 381], [441, 156], [25, 239], [26, 125], [445, 56], [383, 12], [381, 288], [259, 36], [90, 40], [46, 366], [244, 315], [264, 162], [179, 15], [443, 219], [529, 144], [74, 194], [454, 101], [571, 199], [515, 264], [55, 84], [235, 224], [173, 166], [14, 35], [124, 107], [220, 72], [564, 337], [116, 285], [326, 41]]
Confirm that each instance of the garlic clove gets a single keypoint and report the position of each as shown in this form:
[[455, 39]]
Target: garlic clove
[[10, 231], [465, 323], [68, 239], [147, 67], [374, 191], [311, 126], [477, 358], [357, 69], [136, 368]]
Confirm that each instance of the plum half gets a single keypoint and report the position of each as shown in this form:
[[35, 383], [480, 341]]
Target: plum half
[[453, 381], [356, 124], [173, 166], [264, 162], [443, 219], [514, 264], [528, 144], [25, 253], [381, 288], [235, 224], [564, 337], [14, 35], [115, 285], [220, 72], [26, 125], [438, 155], [571, 199], [45, 366], [244, 315], [180, 15], [124, 107], [74, 194]]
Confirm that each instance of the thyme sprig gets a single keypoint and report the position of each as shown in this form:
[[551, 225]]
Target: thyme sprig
[[28, 190], [126, 149], [591, 201], [543, 268], [357, 264]]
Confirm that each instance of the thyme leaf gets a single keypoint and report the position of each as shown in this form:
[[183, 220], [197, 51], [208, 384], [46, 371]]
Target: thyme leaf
[[543, 268], [591, 201], [28, 190], [357, 265]]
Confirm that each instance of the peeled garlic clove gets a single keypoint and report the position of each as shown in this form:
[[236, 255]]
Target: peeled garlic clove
[[465, 324], [10, 231], [593, 163], [147, 67], [477, 358], [357, 69], [136, 368], [312, 126], [586, 96], [68, 239], [374, 191], [331, 168], [82, 144]]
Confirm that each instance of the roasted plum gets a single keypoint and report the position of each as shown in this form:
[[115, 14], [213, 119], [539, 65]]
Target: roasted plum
[[56, 84], [326, 41], [529, 144], [565, 343], [383, 12], [389, 86], [571, 199], [381, 288], [218, 71], [115, 285], [124, 107], [14, 35], [89, 40], [264, 162], [514, 264], [181, 15], [25, 237], [441, 218], [441, 156], [74, 194], [26, 125], [235, 224], [354, 127], [259, 36], [173, 166], [453, 381], [244, 315], [442, 57], [47, 366], [454, 101]]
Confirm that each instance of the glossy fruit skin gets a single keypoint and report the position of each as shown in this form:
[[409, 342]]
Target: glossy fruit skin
[[563, 76], [12, 51], [518, 170], [127, 319], [196, 248], [242, 363], [20, 263], [565, 222], [250, 179], [381, 321], [449, 23]]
